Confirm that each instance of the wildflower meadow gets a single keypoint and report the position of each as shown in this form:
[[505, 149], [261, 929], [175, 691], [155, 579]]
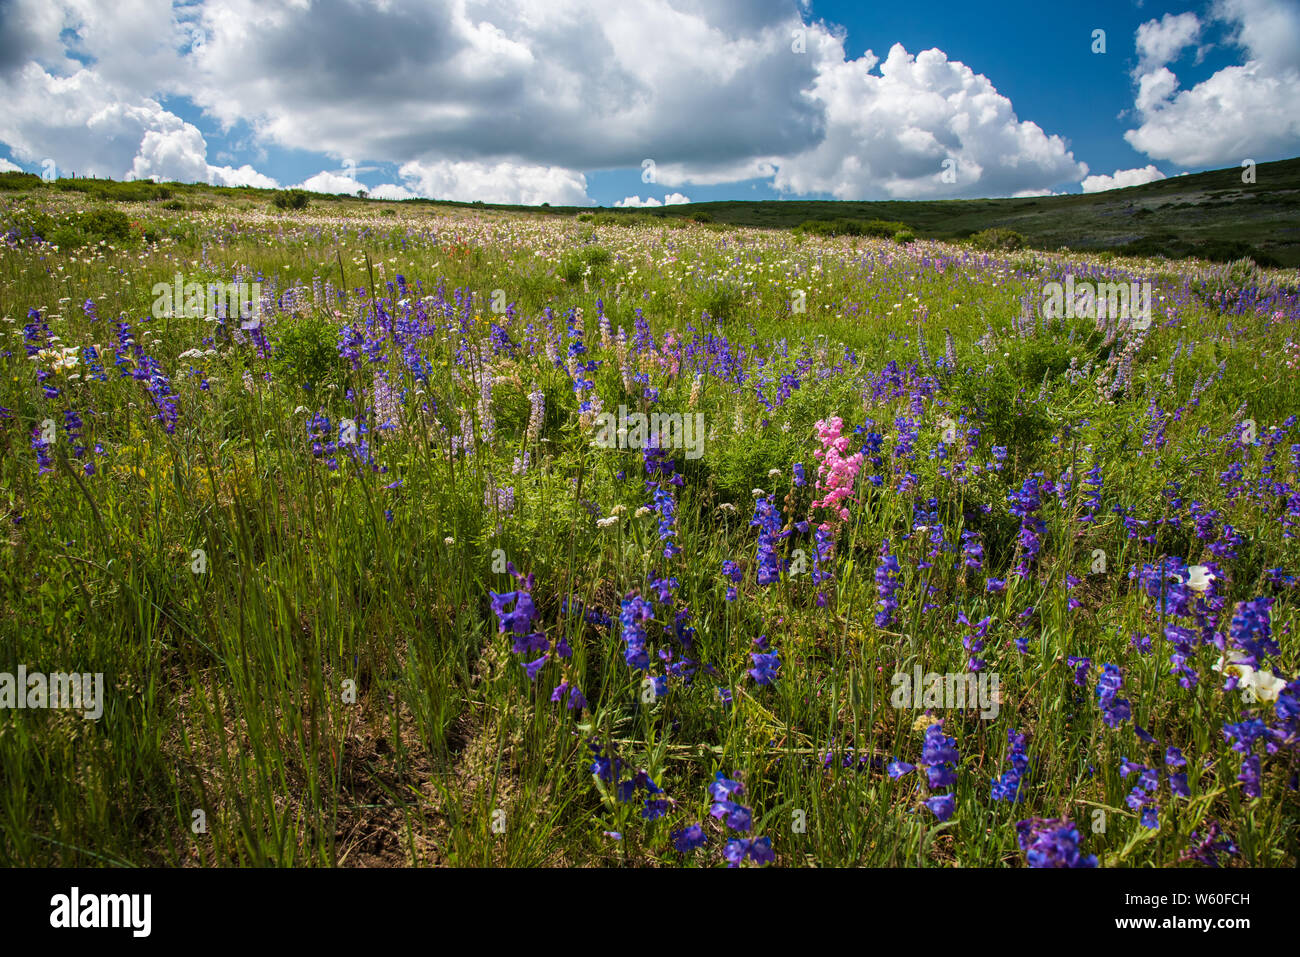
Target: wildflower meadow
[[424, 535]]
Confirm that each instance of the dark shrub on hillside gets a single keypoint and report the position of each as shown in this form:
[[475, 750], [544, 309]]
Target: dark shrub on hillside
[[290, 199], [1231, 250], [1169, 246], [998, 239], [876, 228], [16, 180], [638, 218], [110, 224]]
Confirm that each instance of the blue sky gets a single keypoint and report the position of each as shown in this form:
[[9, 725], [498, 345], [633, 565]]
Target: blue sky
[[562, 101]]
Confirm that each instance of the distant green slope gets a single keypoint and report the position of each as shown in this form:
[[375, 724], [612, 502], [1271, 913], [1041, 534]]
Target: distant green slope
[[1213, 215], [1168, 216]]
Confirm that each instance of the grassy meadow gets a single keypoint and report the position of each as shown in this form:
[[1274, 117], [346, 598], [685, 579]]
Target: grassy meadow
[[366, 589]]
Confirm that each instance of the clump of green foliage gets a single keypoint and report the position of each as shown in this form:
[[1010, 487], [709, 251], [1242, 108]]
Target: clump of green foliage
[[657, 217], [73, 230], [307, 354], [1167, 245], [290, 199], [587, 260], [997, 239], [16, 180], [874, 228]]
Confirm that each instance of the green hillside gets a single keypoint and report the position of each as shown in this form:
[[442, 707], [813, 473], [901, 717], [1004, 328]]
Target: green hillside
[[1172, 216], [1211, 215]]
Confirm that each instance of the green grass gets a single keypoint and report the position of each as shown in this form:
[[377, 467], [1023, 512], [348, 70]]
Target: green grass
[[332, 689]]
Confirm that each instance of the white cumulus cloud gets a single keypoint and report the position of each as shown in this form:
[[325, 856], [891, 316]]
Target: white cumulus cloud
[[87, 127], [672, 199], [512, 100], [1162, 41], [501, 182], [924, 126], [390, 191], [175, 150], [1121, 178], [329, 182], [1242, 111]]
